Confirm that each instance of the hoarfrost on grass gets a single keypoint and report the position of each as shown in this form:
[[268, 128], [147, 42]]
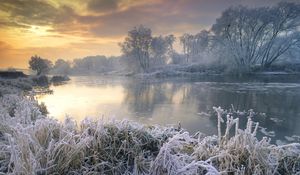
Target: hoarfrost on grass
[[31, 143]]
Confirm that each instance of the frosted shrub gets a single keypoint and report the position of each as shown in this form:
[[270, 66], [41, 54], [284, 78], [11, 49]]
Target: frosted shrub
[[33, 144], [15, 109], [15, 86]]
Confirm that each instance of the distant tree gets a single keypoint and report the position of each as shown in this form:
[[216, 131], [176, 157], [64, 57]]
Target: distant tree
[[93, 64], [201, 42], [170, 39], [137, 46], [161, 48], [158, 49], [61, 67], [258, 35], [40, 65], [195, 45], [177, 58], [185, 42]]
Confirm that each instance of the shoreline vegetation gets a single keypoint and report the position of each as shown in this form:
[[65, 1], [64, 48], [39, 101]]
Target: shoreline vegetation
[[16, 82], [33, 143]]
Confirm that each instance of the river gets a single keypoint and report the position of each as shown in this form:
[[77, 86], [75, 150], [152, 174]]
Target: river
[[187, 101]]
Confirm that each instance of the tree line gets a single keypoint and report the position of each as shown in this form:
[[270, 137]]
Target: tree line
[[241, 38], [86, 65]]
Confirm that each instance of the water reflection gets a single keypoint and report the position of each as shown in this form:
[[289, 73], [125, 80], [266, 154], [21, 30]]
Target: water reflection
[[79, 101], [172, 101]]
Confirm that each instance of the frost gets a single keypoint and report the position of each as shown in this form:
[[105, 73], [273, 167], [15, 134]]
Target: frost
[[267, 133], [276, 120], [33, 144]]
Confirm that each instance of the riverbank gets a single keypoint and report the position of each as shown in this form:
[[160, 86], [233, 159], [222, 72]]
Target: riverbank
[[198, 70], [14, 82], [33, 143]]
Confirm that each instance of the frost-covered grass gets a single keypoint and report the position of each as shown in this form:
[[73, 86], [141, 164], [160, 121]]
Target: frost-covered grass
[[31, 143], [186, 70], [15, 86], [18, 86]]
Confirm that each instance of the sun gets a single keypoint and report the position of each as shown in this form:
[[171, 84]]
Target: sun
[[39, 30]]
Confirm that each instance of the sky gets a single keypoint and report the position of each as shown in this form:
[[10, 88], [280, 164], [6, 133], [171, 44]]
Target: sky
[[71, 29]]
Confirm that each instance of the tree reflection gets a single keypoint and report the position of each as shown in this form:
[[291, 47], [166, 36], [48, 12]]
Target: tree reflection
[[144, 96], [188, 99]]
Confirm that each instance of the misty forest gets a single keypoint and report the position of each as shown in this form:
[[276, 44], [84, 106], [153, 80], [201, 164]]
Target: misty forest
[[220, 99]]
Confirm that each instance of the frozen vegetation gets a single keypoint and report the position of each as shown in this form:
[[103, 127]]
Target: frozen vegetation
[[30, 84], [15, 86], [32, 143]]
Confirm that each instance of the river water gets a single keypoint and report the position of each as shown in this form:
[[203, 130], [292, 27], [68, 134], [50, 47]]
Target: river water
[[185, 100]]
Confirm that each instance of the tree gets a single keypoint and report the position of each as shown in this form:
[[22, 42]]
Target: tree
[[61, 67], [202, 47], [258, 35], [195, 45], [137, 46], [185, 42], [93, 64], [202, 42], [161, 48], [39, 64]]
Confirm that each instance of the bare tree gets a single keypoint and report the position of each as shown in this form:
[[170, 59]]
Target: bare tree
[[137, 46], [258, 35], [195, 45], [185, 42]]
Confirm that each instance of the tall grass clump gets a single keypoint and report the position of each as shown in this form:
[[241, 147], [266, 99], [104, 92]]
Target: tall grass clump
[[31, 143]]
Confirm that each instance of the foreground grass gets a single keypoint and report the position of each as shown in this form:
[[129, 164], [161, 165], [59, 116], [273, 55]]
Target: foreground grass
[[31, 143]]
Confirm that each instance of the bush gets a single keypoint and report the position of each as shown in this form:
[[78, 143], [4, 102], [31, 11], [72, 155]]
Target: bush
[[12, 74], [59, 79], [41, 80], [15, 86], [43, 109]]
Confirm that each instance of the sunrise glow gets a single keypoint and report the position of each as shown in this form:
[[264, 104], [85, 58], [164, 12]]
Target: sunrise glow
[[75, 29]]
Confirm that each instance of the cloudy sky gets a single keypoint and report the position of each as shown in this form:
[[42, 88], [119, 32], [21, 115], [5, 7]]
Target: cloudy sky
[[76, 28]]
